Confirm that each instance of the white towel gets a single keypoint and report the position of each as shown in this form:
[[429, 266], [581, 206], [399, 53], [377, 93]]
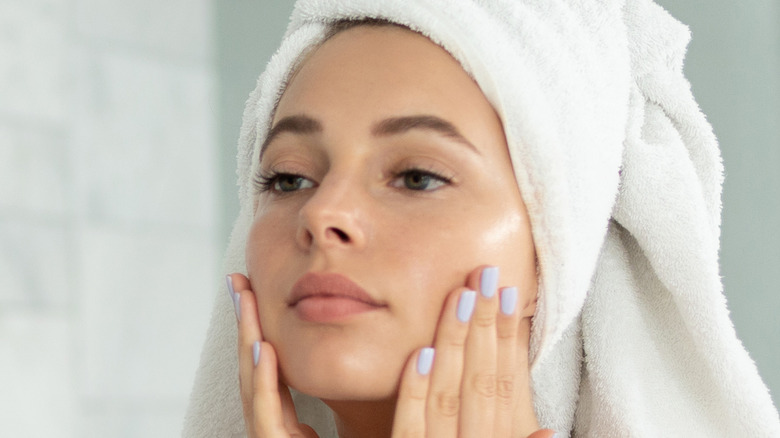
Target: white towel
[[621, 175]]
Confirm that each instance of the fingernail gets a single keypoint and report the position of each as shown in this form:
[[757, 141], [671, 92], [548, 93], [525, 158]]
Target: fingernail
[[229, 281], [508, 300], [234, 296], [489, 281], [237, 305], [256, 352], [555, 435], [425, 361], [466, 305]]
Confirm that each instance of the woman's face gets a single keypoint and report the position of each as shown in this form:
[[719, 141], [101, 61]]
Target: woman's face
[[387, 167]]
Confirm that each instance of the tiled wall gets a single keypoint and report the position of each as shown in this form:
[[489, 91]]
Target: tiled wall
[[108, 243]]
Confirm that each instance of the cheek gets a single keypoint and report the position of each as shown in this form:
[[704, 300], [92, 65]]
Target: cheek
[[269, 254], [442, 249]]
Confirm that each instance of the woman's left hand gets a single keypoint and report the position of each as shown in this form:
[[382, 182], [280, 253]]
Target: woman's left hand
[[477, 384]]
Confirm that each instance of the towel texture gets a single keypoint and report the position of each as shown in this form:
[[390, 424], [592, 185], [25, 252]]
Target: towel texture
[[621, 175]]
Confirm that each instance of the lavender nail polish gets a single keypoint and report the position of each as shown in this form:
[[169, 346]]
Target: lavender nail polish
[[466, 305], [237, 304], [234, 296], [488, 281], [256, 352], [425, 361], [229, 281], [508, 300]]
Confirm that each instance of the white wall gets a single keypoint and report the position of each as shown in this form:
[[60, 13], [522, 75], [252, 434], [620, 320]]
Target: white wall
[[108, 248]]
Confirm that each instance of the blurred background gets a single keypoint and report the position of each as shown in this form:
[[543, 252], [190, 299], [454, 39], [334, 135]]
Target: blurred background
[[118, 125]]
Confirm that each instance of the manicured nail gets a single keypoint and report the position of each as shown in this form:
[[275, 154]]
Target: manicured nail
[[256, 352], [229, 281], [508, 300], [234, 296], [488, 282], [237, 305], [425, 361], [466, 305]]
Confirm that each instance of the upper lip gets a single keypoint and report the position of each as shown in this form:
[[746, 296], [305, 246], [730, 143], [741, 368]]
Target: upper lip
[[326, 284]]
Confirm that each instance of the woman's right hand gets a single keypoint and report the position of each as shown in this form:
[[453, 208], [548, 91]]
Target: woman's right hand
[[267, 403]]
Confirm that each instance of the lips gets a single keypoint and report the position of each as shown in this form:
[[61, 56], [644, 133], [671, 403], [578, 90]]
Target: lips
[[328, 297]]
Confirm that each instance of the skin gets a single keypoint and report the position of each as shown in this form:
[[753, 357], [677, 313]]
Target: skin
[[412, 215]]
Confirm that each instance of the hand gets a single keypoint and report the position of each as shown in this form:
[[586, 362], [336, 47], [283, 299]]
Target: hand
[[471, 386], [267, 403], [477, 384]]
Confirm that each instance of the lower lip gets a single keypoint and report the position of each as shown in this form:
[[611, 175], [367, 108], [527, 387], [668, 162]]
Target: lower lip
[[329, 309]]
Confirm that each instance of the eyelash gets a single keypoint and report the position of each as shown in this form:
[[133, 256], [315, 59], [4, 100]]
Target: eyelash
[[265, 181], [422, 172]]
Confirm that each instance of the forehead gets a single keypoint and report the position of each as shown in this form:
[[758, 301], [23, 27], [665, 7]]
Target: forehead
[[380, 69]]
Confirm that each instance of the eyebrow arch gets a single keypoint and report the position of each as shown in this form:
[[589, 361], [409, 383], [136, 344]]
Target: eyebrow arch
[[400, 125], [298, 124]]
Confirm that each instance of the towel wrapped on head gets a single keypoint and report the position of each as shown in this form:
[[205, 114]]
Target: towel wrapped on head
[[621, 175]]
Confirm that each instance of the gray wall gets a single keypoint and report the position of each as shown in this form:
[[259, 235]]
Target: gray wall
[[734, 66]]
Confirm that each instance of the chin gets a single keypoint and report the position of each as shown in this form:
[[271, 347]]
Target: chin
[[342, 377]]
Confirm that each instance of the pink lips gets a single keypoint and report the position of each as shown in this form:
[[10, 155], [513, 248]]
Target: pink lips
[[327, 297]]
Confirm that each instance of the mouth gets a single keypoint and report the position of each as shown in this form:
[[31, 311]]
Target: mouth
[[328, 297]]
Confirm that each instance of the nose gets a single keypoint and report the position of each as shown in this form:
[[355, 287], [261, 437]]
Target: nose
[[333, 217]]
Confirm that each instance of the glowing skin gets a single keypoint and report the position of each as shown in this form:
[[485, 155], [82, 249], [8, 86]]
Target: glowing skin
[[407, 239]]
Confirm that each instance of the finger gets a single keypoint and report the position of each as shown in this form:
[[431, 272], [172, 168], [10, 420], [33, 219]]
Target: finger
[[268, 419], [409, 420], [444, 398], [507, 326], [478, 386], [248, 334], [544, 433]]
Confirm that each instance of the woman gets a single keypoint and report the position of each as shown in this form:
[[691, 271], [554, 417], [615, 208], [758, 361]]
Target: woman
[[381, 167]]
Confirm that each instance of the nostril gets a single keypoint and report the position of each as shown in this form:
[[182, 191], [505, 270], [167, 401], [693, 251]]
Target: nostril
[[341, 235]]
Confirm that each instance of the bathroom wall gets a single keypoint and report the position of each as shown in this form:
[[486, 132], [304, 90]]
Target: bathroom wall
[[109, 252]]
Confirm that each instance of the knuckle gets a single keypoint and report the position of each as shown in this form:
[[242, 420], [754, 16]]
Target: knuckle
[[484, 320], [416, 393], [506, 386], [412, 433], [506, 334], [455, 342], [447, 403], [484, 384]]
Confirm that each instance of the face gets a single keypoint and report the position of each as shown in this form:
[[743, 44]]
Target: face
[[385, 181]]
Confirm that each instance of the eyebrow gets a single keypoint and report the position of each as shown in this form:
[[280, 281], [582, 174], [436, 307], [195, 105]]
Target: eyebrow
[[305, 125], [299, 124], [400, 125]]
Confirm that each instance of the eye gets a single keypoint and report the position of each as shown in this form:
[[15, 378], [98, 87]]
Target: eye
[[419, 180], [282, 182]]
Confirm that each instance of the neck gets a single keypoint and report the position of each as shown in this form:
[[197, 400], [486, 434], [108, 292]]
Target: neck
[[363, 418]]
